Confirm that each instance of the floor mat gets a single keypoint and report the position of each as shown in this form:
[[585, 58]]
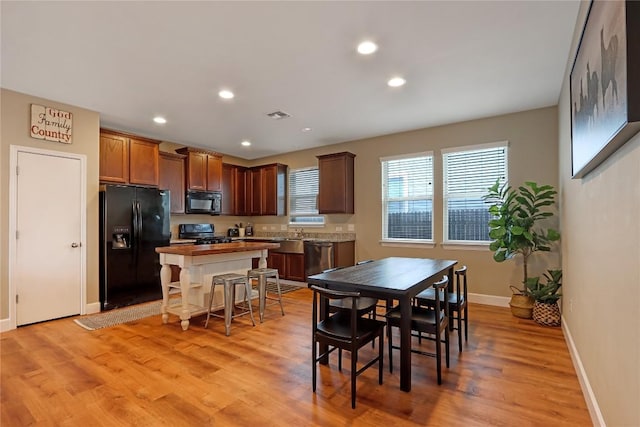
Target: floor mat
[[139, 311], [119, 315]]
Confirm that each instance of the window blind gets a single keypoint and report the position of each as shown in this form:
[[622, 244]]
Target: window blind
[[407, 197], [467, 174], [303, 195]]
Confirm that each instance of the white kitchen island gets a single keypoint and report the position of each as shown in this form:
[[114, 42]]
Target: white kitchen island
[[198, 263]]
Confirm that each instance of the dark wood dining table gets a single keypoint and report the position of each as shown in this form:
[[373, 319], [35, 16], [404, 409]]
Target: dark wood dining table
[[394, 278]]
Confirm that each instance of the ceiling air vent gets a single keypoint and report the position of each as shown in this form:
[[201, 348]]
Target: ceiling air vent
[[278, 115]]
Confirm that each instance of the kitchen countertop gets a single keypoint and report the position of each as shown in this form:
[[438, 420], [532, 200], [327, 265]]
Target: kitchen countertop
[[218, 248], [181, 241], [306, 239]]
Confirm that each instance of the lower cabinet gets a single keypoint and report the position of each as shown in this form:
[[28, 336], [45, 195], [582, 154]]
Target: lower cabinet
[[277, 260], [289, 266], [294, 267]]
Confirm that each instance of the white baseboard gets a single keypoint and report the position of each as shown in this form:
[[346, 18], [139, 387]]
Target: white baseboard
[[489, 300], [587, 391], [92, 308], [6, 325]]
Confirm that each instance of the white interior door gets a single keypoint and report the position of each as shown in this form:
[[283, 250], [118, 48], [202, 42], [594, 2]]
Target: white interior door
[[49, 228]]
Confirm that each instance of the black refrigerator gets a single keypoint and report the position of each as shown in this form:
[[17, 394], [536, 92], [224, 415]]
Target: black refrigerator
[[133, 222]]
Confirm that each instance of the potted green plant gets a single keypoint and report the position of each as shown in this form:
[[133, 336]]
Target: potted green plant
[[545, 309], [516, 229]]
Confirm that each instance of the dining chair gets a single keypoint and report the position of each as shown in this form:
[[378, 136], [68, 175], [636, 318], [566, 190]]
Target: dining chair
[[458, 308], [365, 304], [426, 320], [344, 330]]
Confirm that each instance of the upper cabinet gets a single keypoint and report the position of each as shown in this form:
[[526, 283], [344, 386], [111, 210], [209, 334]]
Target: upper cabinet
[[254, 191], [172, 178], [234, 190], [114, 158], [335, 186], [274, 189], [227, 189], [266, 190], [240, 190], [128, 159], [214, 172], [204, 169]]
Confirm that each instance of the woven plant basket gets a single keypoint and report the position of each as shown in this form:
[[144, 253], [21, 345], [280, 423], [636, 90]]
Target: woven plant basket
[[521, 305], [546, 314]]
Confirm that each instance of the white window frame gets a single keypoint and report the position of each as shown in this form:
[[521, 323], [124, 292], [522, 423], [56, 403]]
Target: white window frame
[[311, 214], [468, 244], [405, 242]]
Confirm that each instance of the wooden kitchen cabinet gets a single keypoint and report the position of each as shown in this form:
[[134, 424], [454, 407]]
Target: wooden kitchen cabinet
[[294, 267], [336, 183], [214, 172], [228, 197], [204, 169], [172, 178], [277, 260], [143, 161], [254, 193], [128, 159], [240, 191], [114, 158], [289, 266], [274, 189], [234, 190], [267, 190], [344, 254]]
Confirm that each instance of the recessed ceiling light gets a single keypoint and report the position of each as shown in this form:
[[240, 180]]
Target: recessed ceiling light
[[245, 143], [160, 120], [367, 47], [226, 94], [306, 129], [396, 82]]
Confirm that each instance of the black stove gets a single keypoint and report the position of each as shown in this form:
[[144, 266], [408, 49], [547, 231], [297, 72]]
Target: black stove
[[204, 234]]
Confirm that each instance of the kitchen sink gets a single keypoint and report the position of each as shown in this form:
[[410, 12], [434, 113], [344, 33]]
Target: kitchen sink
[[291, 246]]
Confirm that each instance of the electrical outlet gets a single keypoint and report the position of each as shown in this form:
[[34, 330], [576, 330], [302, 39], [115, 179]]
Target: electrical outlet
[[264, 228], [351, 227], [283, 227], [338, 228], [570, 305]]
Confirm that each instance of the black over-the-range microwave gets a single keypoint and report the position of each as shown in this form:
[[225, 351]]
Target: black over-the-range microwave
[[204, 202]]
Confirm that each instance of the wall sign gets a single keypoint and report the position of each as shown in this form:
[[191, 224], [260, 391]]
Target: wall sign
[[51, 124]]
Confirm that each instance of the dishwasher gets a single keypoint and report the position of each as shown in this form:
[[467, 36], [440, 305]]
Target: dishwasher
[[318, 256]]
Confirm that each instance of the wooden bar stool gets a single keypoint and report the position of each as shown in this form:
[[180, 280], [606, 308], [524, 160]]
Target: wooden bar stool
[[230, 281], [262, 274]]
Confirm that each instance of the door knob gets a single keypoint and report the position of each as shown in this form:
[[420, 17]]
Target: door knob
[[74, 245]]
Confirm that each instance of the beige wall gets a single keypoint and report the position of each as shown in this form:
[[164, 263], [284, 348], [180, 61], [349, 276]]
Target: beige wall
[[601, 263], [532, 156], [532, 137], [15, 118]]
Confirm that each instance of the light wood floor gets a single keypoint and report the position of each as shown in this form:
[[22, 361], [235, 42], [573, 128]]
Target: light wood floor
[[512, 372]]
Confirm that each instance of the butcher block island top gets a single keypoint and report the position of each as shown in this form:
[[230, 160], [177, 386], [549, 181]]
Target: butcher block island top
[[198, 264], [218, 248]]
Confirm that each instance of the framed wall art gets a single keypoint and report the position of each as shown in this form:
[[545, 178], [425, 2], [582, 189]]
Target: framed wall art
[[605, 84]]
